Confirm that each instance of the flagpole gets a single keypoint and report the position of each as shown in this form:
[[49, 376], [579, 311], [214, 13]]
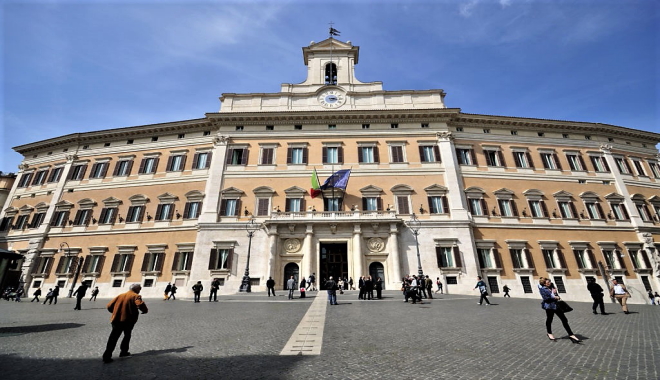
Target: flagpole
[[344, 193]]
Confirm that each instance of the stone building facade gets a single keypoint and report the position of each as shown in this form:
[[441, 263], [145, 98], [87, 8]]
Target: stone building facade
[[506, 198]]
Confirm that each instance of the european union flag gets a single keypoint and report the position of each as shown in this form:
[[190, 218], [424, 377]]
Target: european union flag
[[338, 180]]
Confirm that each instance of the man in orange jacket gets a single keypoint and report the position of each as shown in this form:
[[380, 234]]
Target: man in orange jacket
[[125, 310]]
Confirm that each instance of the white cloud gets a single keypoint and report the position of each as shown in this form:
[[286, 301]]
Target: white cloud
[[467, 8]]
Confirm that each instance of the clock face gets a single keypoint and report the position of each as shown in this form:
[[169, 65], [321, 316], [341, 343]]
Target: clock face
[[331, 98]]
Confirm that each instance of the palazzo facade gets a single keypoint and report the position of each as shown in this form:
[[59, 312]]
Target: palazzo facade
[[506, 198]]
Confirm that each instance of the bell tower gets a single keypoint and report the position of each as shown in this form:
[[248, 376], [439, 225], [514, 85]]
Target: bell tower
[[331, 62]]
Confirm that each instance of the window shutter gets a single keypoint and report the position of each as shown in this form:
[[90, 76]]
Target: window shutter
[[457, 257], [379, 204], [500, 204], [129, 263], [184, 157], [76, 220], [60, 264], [484, 206], [195, 160], [514, 208], [88, 217], [161, 261], [340, 154], [403, 204], [324, 155], [530, 259], [190, 260], [421, 153], [305, 154], [430, 202], [302, 205], [438, 256], [584, 166], [607, 167], [213, 259], [364, 204], [186, 210], [145, 261], [376, 156], [645, 258], [244, 156], [489, 162], [238, 208], [573, 210], [104, 169], [436, 153], [529, 159], [84, 262], [263, 206], [514, 259], [470, 208], [562, 259], [129, 166], [115, 263], [140, 211], [171, 212], [359, 152], [481, 260], [230, 260], [592, 258], [289, 155], [601, 214], [142, 165], [577, 259], [445, 205], [169, 163], [223, 207], [556, 158], [625, 163], [209, 156], [474, 157], [501, 156], [99, 264], [230, 156], [516, 160], [498, 260], [544, 208], [49, 266]]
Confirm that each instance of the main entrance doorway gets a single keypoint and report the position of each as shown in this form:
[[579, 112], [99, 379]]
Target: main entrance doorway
[[376, 270], [291, 269], [333, 262]]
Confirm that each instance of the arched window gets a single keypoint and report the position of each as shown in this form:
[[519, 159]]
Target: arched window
[[330, 73]]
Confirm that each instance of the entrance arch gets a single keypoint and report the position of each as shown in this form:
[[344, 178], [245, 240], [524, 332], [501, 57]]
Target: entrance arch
[[291, 269], [376, 270]]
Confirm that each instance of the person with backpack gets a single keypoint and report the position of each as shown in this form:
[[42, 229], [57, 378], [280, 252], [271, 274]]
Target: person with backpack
[[481, 285]]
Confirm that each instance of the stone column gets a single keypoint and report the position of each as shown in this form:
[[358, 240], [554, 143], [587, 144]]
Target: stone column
[[453, 177], [211, 203], [306, 267], [621, 188], [358, 258], [394, 257], [272, 244]]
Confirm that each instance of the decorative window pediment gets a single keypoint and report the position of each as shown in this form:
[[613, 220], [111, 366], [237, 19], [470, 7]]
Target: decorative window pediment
[[504, 193], [63, 205], [548, 244], [111, 202], [638, 197], [516, 244], [11, 211], [264, 191], [167, 198], [26, 209], [371, 191], [589, 196], [533, 194], [295, 192], [402, 190], [232, 192], [436, 190], [474, 192], [194, 196], [138, 200], [86, 204], [563, 196]]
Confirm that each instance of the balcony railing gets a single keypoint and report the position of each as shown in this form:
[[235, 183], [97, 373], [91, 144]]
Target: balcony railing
[[333, 215]]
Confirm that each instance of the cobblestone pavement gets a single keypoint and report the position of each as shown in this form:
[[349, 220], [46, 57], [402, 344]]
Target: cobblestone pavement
[[241, 337]]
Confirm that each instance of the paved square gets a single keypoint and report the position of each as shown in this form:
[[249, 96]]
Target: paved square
[[243, 336]]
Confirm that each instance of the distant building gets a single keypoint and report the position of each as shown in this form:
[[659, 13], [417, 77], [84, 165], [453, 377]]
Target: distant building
[[506, 198]]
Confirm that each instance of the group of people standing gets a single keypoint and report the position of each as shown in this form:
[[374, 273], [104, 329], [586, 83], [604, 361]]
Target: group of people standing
[[170, 292], [367, 286], [416, 287]]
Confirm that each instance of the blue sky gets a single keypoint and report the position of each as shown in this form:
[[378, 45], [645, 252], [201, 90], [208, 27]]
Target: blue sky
[[77, 66]]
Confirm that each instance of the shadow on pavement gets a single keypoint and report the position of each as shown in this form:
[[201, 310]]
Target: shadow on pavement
[[159, 352], [273, 367], [38, 328]]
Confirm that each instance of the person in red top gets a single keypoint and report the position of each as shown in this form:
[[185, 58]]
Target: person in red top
[[125, 310]]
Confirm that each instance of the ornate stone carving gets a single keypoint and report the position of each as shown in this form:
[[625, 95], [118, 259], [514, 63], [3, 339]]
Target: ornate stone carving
[[333, 228], [292, 245], [648, 238], [71, 157], [23, 166], [292, 227], [376, 244], [374, 226], [607, 148], [446, 135], [220, 140]]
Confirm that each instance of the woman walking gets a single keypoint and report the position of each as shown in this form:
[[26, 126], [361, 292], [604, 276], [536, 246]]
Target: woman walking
[[549, 304]]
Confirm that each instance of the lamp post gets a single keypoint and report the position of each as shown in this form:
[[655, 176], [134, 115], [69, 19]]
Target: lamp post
[[251, 227], [75, 262], [414, 224]]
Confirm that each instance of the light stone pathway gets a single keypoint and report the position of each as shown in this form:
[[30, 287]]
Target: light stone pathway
[[307, 338]]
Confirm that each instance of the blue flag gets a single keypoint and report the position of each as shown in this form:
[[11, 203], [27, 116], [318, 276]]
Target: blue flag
[[338, 180]]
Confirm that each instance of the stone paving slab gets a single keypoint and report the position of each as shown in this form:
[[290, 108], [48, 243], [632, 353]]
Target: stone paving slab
[[241, 337]]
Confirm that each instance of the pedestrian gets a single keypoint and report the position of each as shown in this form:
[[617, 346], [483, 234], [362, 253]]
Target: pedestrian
[[303, 285], [369, 288], [340, 285], [506, 291], [657, 298], [412, 291], [173, 292], [429, 286], [597, 295], [215, 285], [270, 286], [481, 285], [37, 293], [549, 304], [651, 298], [49, 296], [312, 282], [331, 287], [95, 293], [19, 293], [439, 284], [168, 289], [291, 286], [80, 294], [125, 310], [421, 285], [379, 288], [621, 294], [197, 290], [56, 293], [361, 288], [350, 283]]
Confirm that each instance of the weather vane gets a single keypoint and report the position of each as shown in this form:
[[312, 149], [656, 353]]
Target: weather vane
[[333, 31]]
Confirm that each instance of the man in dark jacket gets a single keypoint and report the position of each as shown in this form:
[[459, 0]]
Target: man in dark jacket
[[331, 287], [368, 288], [597, 295], [80, 294], [270, 285]]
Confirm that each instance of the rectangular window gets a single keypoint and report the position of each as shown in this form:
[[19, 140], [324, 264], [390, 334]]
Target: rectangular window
[[37, 219], [182, 261], [517, 258], [77, 172], [123, 168], [622, 165], [575, 162], [192, 210], [135, 214], [403, 204], [394, 125], [365, 126], [263, 206], [153, 262], [149, 165], [333, 155], [82, 217], [117, 283], [94, 264], [639, 168], [176, 163], [594, 210], [429, 153], [599, 163], [99, 170], [567, 210], [21, 222], [643, 212], [296, 156], [372, 204], [438, 204], [5, 224], [507, 207], [655, 168], [559, 282], [397, 153], [550, 161], [484, 258], [537, 208], [40, 177], [122, 263], [332, 204], [494, 158], [466, 156], [549, 257], [619, 211], [26, 178], [267, 156], [581, 258], [202, 160], [294, 205], [108, 215], [368, 154], [229, 207], [522, 160], [445, 257], [55, 174], [164, 211], [237, 156], [60, 218], [221, 259], [44, 265], [477, 207]]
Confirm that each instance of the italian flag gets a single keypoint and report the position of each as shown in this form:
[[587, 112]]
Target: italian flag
[[315, 191]]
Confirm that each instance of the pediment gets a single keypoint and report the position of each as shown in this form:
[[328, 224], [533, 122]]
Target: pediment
[[339, 48], [503, 191], [167, 198], [615, 196], [295, 190], [111, 201], [263, 191], [562, 194], [371, 189], [232, 191]]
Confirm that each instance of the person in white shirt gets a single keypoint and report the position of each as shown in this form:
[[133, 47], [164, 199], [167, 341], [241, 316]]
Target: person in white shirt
[[621, 294]]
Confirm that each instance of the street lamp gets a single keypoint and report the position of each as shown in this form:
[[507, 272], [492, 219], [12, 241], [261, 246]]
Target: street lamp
[[414, 224], [251, 227], [75, 262]]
